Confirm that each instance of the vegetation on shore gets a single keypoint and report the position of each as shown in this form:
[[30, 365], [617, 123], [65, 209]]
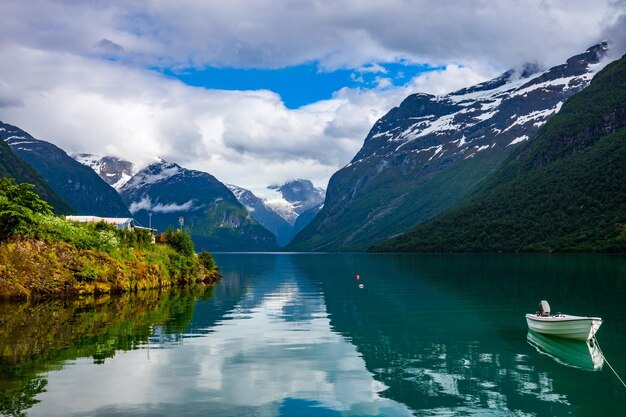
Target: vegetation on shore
[[42, 254]]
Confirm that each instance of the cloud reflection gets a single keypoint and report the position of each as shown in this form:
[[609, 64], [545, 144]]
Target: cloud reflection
[[274, 351]]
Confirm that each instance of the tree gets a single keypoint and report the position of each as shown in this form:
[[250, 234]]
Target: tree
[[18, 206]]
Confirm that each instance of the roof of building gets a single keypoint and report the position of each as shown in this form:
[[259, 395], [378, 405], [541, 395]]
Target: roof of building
[[95, 219]]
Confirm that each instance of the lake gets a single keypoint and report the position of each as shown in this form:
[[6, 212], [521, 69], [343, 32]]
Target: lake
[[295, 335]]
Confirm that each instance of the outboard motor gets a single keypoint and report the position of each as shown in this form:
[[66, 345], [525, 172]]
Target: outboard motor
[[544, 308]]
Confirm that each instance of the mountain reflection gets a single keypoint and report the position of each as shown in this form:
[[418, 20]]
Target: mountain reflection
[[294, 335], [272, 353]]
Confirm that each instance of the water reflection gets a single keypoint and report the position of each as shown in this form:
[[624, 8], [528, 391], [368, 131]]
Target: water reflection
[[39, 337], [271, 353], [576, 353], [446, 334], [294, 335]]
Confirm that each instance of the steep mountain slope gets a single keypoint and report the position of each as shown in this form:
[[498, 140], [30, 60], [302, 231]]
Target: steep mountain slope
[[565, 191], [211, 213], [429, 153], [12, 166], [263, 214], [113, 170], [75, 183], [294, 198]]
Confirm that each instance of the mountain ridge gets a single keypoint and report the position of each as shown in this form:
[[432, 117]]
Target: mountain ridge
[[562, 192], [76, 184], [211, 214], [429, 153]]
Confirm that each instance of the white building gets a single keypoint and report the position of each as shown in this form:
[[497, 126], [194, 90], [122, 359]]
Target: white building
[[126, 223]]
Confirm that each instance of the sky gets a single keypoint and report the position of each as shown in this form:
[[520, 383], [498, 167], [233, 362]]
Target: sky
[[261, 92]]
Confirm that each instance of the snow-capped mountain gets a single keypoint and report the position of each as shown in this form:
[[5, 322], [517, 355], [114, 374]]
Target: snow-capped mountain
[[263, 214], [293, 198], [210, 211], [295, 204], [76, 184], [430, 152], [113, 170]]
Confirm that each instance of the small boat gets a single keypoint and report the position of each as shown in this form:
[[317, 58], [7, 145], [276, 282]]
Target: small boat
[[577, 353], [562, 325]]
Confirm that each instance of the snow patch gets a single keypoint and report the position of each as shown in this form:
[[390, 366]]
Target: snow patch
[[518, 140]]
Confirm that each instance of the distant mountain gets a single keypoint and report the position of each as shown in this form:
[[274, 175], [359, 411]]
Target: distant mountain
[[113, 170], [13, 166], [431, 152], [564, 191], [75, 183], [211, 213], [294, 198], [293, 206], [262, 213]]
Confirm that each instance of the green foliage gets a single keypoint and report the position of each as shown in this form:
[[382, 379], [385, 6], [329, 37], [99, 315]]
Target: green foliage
[[84, 257], [207, 260], [19, 206], [180, 241], [564, 191]]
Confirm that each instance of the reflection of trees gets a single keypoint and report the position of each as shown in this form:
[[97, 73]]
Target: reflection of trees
[[39, 337]]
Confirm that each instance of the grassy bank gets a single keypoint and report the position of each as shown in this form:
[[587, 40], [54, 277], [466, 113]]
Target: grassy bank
[[42, 254]]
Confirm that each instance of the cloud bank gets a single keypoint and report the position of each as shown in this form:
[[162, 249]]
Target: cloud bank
[[80, 74]]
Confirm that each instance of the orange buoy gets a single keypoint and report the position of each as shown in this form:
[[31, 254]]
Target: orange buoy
[[358, 276]]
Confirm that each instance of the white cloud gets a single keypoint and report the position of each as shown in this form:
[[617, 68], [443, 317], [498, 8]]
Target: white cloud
[[346, 33], [75, 73], [146, 204], [452, 78]]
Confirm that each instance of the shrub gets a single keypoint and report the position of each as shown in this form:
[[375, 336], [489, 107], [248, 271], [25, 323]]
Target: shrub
[[207, 260], [180, 241]]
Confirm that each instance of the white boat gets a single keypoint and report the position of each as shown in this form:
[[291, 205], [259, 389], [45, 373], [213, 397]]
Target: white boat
[[562, 325]]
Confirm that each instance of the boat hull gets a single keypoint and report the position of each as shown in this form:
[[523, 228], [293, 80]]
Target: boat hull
[[566, 326]]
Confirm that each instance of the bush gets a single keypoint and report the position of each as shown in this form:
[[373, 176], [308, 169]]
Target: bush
[[180, 241], [207, 260]]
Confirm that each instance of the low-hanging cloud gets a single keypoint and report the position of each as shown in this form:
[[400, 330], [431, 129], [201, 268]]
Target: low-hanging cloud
[[146, 204]]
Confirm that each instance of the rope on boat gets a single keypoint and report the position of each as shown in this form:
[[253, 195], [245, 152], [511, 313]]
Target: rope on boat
[[607, 362]]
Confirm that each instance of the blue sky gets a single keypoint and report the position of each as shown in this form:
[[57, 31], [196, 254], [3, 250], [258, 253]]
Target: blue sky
[[301, 84]]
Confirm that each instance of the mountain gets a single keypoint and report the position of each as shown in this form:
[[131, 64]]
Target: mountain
[[294, 198], [211, 213], [12, 166], [295, 204], [262, 213], [75, 183], [113, 170], [564, 191], [428, 154]]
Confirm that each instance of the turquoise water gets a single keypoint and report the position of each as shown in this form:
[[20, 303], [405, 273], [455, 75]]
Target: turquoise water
[[295, 335]]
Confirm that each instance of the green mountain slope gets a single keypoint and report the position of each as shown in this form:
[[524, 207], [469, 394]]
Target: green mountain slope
[[564, 191], [211, 214], [12, 166]]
